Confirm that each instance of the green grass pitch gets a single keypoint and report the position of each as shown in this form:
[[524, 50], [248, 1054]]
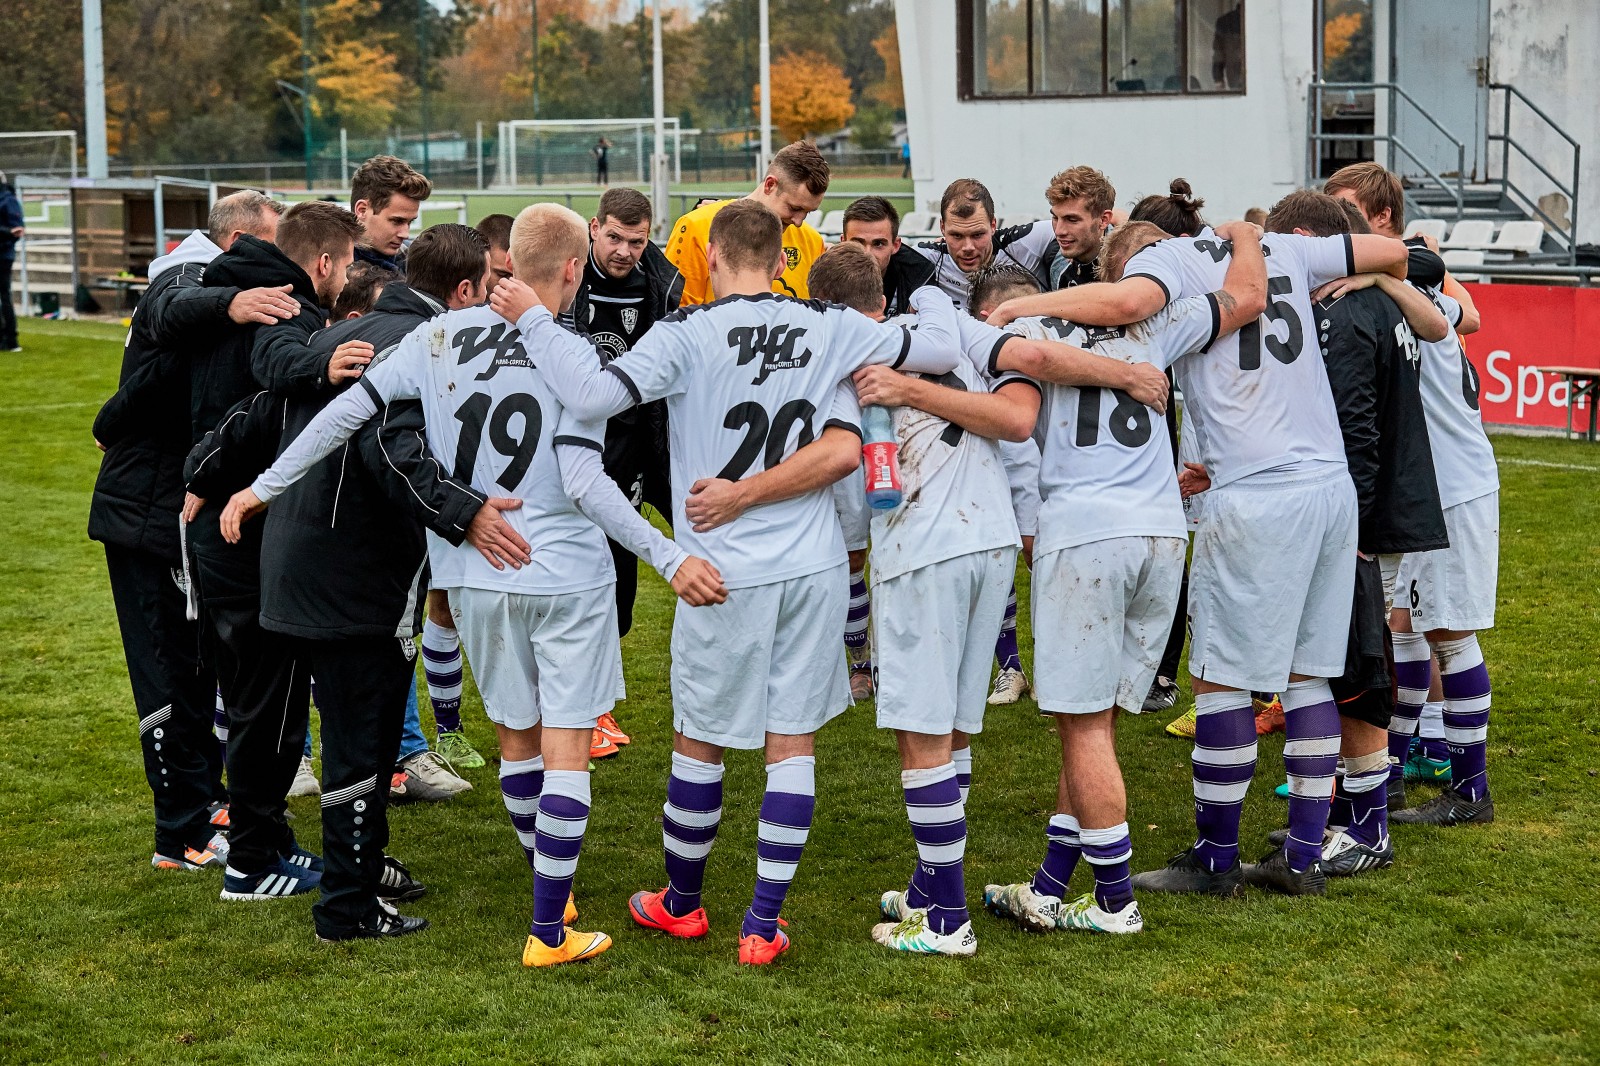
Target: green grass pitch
[[1481, 945]]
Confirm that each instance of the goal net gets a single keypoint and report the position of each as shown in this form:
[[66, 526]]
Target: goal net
[[41, 154], [563, 151]]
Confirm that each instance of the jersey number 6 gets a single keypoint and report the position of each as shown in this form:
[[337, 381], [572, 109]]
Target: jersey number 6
[[519, 448]]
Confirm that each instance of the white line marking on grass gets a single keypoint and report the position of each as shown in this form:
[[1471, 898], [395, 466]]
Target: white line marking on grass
[[47, 407], [1552, 466]]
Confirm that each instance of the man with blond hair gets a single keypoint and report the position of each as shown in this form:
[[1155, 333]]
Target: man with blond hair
[[542, 637], [1081, 209], [793, 187], [386, 197]]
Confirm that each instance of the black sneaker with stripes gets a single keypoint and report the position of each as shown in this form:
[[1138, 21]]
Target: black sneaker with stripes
[[397, 885], [389, 923]]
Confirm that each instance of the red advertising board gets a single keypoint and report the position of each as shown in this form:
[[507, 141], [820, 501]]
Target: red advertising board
[[1528, 326]]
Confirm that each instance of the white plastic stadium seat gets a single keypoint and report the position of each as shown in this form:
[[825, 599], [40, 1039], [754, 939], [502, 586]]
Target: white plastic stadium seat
[[814, 219], [1458, 258], [1470, 233], [832, 224], [1526, 237], [1425, 227], [919, 224]]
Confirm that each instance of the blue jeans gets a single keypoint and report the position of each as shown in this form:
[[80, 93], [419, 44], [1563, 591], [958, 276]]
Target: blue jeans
[[411, 738]]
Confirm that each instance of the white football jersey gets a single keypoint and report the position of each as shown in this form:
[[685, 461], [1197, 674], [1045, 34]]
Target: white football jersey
[[748, 381], [1107, 469], [1014, 246], [1259, 399], [1463, 458], [957, 499], [492, 416]]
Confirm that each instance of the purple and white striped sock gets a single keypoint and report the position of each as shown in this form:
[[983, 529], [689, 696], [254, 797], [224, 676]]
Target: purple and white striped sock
[[521, 781], [563, 819], [939, 824], [441, 665], [962, 757], [786, 813], [1430, 727], [1108, 852], [855, 622], [1310, 755], [1005, 648], [1365, 784], [1223, 761], [1465, 679], [1063, 848], [689, 822], [1413, 672]]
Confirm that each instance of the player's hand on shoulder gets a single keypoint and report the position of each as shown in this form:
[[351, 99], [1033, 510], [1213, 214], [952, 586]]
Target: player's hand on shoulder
[[698, 583], [348, 361], [1148, 385], [1343, 286], [1239, 230], [713, 502], [244, 506], [882, 386], [494, 537], [1193, 479], [1001, 316], [511, 299], [263, 306]]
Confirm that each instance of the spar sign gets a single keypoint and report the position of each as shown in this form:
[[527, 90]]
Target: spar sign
[[1529, 326]]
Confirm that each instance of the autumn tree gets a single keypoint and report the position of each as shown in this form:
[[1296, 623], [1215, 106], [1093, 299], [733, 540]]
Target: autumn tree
[[810, 95], [891, 90]]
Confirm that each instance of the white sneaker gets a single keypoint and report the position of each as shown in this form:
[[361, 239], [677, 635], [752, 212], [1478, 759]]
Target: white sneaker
[[305, 780], [1009, 687], [892, 904], [915, 938], [1085, 913], [1020, 903], [432, 771]]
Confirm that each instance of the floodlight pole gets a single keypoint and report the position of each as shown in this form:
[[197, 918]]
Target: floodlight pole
[[766, 92], [658, 160], [94, 91], [305, 86], [422, 68]]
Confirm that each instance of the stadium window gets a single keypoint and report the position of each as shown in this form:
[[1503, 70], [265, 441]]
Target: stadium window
[[1022, 48]]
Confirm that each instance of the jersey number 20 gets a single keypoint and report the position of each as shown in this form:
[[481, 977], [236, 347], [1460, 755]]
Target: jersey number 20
[[764, 434], [518, 447]]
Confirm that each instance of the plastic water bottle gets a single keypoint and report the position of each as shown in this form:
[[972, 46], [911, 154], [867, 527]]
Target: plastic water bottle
[[881, 454]]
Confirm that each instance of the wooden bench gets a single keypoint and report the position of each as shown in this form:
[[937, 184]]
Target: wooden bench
[[1583, 382]]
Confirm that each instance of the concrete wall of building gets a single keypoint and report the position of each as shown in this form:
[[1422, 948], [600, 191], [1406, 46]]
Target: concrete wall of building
[[1548, 49], [1237, 151]]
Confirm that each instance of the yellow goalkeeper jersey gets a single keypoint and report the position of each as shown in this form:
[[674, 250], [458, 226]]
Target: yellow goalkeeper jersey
[[686, 248]]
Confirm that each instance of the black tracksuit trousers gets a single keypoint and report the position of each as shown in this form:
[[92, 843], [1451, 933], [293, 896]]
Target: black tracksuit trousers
[[267, 700], [361, 686], [172, 694]]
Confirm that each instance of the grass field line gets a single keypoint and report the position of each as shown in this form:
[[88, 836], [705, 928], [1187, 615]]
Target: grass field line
[[1549, 465], [47, 407]]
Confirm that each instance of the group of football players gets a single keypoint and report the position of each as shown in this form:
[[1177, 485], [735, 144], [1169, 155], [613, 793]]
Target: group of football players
[[476, 445]]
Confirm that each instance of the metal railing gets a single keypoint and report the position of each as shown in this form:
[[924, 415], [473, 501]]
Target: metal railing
[[1315, 136], [1568, 233]]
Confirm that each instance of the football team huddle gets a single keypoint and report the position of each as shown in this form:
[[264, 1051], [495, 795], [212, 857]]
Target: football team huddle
[[462, 452]]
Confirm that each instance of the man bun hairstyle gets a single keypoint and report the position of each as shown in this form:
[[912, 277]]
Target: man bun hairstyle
[[628, 206], [1082, 183], [847, 274], [496, 229], [801, 164], [363, 284], [873, 209], [240, 212], [382, 178], [1126, 241], [993, 286], [1178, 212], [1374, 189], [445, 255], [963, 198], [544, 238], [314, 228], [1315, 212], [747, 236]]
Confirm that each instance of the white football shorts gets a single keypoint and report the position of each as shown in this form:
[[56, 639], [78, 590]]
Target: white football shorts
[[1272, 580], [855, 514], [768, 660], [1455, 587], [1101, 615], [551, 659], [935, 641]]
